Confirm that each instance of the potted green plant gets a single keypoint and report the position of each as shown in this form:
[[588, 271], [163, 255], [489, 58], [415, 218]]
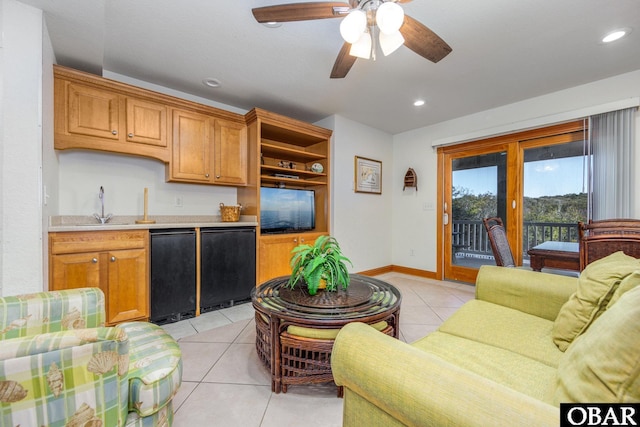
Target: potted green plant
[[321, 262]]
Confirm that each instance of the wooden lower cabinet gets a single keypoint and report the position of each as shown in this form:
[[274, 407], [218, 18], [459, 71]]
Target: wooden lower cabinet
[[275, 253], [114, 261]]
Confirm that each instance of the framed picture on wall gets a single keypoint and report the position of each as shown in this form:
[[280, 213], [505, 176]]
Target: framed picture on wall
[[368, 175]]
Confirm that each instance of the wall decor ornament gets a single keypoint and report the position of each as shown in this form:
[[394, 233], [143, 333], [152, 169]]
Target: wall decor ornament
[[368, 175], [410, 180]]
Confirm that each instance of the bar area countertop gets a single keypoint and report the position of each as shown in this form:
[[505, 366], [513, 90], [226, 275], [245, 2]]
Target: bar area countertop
[[89, 223]]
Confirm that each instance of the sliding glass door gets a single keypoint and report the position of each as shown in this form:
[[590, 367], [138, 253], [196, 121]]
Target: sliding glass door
[[479, 187], [554, 195], [532, 180]]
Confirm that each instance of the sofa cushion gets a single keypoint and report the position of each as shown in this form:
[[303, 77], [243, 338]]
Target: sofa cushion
[[510, 369], [596, 285], [602, 365], [155, 367], [628, 283], [505, 328]]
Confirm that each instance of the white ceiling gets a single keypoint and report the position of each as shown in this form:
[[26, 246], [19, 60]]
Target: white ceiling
[[504, 51]]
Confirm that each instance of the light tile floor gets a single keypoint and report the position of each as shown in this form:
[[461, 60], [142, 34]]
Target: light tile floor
[[225, 384]]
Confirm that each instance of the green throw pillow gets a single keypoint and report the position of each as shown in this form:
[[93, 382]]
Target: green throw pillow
[[596, 285], [628, 283], [603, 365]]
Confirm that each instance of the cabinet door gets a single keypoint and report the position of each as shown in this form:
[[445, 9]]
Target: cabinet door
[[127, 295], [71, 271], [230, 153], [274, 255], [146, 122], [192, 140], [92, 112]]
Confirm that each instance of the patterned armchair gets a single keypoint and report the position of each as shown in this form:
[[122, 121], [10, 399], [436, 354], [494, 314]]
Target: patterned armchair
[[59, 365]]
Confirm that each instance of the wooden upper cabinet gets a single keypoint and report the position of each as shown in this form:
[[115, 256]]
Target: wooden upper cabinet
[[207, 150], [230, 153], [96, 114], [191, 150], [92, 112], [146, 122], [199, 143]]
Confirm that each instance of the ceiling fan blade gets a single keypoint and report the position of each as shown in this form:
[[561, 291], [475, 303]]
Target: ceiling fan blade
[[423, 41], [299, 11], [343, 63]]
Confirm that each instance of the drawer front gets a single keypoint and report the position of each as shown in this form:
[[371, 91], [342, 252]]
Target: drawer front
[[89, 241]]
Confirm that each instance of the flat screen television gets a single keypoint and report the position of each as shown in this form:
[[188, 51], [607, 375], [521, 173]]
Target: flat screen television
[[285, 210]]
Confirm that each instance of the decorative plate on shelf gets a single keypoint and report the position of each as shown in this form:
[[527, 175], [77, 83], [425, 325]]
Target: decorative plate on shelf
[[317, 167]]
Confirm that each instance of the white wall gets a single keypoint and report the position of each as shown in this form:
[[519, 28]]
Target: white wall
[[21, 244], [415, 226], [124, 178], [361, 222], [49, 159]]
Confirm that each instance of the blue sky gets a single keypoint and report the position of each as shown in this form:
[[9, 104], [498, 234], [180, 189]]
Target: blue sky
[[541, 178]]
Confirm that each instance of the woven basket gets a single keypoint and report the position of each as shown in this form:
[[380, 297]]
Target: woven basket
[[230, 213]]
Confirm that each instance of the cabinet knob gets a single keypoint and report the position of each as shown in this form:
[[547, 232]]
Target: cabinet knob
[[115, 132], [301, 240], [113, 259], [206, 175], [130, 135], [217, 176], [94, 260], [295, 240]]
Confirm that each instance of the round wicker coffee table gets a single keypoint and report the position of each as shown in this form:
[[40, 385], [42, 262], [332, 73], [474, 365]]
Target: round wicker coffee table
[[295, 331]]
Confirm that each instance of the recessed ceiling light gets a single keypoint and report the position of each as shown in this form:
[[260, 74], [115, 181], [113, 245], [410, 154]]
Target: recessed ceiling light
[[272, 24], [615, 35], [418, 103], [211, 82]]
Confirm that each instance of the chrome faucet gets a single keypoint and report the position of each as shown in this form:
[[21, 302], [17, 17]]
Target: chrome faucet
[[102, 218]]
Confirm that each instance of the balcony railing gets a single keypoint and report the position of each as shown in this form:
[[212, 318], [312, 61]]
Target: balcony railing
[[470, 237]]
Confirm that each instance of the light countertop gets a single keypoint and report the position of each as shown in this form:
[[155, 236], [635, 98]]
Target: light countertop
[[89, 223]]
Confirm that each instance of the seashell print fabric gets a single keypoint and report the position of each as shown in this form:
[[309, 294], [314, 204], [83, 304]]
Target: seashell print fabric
[[60, 366], [43, 312], [11, 391]]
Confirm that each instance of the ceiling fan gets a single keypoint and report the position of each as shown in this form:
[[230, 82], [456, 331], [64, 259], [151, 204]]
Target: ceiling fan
[[363, 21]]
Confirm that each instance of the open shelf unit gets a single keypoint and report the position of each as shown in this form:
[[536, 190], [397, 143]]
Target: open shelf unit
[[282, 152]]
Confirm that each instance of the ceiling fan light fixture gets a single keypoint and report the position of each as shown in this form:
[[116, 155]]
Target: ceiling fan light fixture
[[353, 26], [389, 17], [272, 24], [389, 43], [362, 48]]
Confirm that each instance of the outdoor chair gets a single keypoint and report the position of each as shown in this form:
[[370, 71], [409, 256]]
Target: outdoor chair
[[600, 238], [499, 244]]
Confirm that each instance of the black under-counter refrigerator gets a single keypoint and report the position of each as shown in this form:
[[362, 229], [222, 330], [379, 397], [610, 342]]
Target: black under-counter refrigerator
[[228, 266], [173, 274]]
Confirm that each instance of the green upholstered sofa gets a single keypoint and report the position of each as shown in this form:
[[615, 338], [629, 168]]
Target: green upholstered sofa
[[528, 342], [60, 366]]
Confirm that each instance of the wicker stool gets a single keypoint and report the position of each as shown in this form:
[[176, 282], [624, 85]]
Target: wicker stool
[[307, 360], [263, 340]]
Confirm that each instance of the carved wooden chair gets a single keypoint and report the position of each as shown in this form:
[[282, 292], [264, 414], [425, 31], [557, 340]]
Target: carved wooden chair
[[600, 238], [499, 243]]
